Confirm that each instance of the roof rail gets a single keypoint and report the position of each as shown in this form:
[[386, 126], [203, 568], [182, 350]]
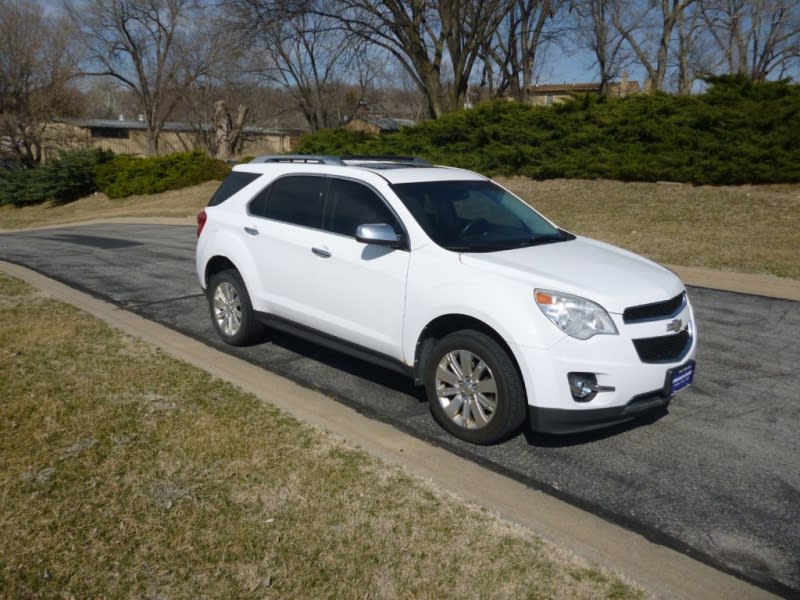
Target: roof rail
[[387, 158], [299, 158]]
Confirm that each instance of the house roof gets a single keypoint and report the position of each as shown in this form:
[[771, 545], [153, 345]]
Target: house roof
[[565, 88], [627, 86], [389, 123], [168, 126], [384, 123]]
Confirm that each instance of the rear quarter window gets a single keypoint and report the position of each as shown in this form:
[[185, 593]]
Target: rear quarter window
[[230, 185], [295, 199]]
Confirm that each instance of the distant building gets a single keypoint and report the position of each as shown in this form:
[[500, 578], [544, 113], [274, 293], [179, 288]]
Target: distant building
[[552, 93], [125, 136], [371, 119]]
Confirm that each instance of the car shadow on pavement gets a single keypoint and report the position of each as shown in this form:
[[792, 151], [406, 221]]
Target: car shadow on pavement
[[334, 359]]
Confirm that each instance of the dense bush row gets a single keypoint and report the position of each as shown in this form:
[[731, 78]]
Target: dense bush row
[[81, 172], [66, 178], [736, 132], [127, 175]]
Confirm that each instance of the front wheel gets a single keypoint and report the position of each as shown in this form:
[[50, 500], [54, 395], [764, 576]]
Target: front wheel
[[473, 388], [231, 311]]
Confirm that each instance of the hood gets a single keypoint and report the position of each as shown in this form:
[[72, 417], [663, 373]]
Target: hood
[[610, 276]]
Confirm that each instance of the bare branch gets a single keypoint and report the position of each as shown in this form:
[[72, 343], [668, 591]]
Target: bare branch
[[35, 76], [153, 47]]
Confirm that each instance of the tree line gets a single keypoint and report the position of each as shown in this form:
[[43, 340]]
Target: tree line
[[179, 58]]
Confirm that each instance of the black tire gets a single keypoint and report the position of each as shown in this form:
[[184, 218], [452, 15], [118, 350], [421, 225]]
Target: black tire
[[231, 311], [486, 405]]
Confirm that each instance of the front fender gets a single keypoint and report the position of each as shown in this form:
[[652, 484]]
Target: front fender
[[506, 306]]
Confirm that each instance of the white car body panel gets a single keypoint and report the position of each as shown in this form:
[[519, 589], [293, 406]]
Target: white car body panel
[[357, 293], [610, 276]]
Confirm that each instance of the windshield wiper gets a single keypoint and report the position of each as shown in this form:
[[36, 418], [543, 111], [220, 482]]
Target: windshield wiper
[[538, 240], [476, 248], [498, 246]]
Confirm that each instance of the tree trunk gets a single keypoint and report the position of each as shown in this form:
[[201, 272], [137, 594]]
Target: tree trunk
[[152, 141], [227, 131], [222, 127]]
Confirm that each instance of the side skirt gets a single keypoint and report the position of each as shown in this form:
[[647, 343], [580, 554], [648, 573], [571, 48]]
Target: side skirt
[[335, 343]]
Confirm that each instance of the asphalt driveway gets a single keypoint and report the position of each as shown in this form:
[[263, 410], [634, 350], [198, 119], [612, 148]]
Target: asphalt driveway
[[717, 477]]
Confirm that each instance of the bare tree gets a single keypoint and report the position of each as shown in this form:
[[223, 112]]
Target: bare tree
[[395, 91], [437, 42], [595, 31], [34, 77], [756, 38], [694, 55], [514, 48], [640, 22], [227, 130], [307, 53], [156, 48]]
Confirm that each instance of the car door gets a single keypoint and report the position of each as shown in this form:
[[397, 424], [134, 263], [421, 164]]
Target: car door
[[365, 284], [317, 274], [284, 222]]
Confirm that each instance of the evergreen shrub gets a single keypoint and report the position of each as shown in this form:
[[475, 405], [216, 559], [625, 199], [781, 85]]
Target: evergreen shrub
[[72, 174], [127, 175], [64, 179], [736, 132]]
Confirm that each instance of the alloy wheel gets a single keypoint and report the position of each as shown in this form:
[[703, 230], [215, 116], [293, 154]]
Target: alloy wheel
[[466, 389]]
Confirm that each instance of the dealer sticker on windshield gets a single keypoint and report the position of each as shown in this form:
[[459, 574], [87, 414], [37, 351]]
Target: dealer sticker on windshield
[[679, 378]]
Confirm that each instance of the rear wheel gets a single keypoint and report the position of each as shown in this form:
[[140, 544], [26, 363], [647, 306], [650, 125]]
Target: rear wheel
[[231, 311], [473, 388]]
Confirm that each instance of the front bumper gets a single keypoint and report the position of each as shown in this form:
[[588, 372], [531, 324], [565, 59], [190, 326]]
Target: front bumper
[[628, 385], [563, 421]]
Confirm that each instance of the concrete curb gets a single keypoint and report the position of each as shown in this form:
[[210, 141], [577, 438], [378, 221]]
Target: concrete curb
[[744, 283], [663, 572]]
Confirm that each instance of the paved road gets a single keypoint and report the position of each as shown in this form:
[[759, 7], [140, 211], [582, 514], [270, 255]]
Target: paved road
[[717, 477]]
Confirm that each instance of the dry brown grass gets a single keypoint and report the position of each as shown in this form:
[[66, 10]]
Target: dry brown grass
[[175, 203], [127, 474], [752, 229]]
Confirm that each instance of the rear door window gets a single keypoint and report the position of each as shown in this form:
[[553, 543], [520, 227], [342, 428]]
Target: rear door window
[[295, 199]]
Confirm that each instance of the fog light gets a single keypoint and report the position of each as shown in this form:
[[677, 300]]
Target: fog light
[[582, 386]]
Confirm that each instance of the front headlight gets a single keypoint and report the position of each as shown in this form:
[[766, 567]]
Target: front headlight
[[577, 317]]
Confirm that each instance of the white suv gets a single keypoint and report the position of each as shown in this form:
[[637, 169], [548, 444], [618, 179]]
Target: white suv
[[442, 274]]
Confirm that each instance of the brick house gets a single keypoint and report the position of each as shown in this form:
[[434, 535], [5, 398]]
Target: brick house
[[371, 119], [124, 136], [552, 93]]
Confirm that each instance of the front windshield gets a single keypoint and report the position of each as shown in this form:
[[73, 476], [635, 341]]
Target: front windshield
[[475, 216]]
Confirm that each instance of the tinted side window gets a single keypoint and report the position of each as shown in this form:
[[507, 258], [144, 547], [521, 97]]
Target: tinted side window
[[258, 205], [230, 185], [351, 204], [297, 199]]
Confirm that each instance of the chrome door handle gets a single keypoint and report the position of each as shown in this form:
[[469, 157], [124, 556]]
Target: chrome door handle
[[321, 252], [251, 230]]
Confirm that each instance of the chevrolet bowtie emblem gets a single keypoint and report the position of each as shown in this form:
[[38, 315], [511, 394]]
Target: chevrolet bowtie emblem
[[675, 325]]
